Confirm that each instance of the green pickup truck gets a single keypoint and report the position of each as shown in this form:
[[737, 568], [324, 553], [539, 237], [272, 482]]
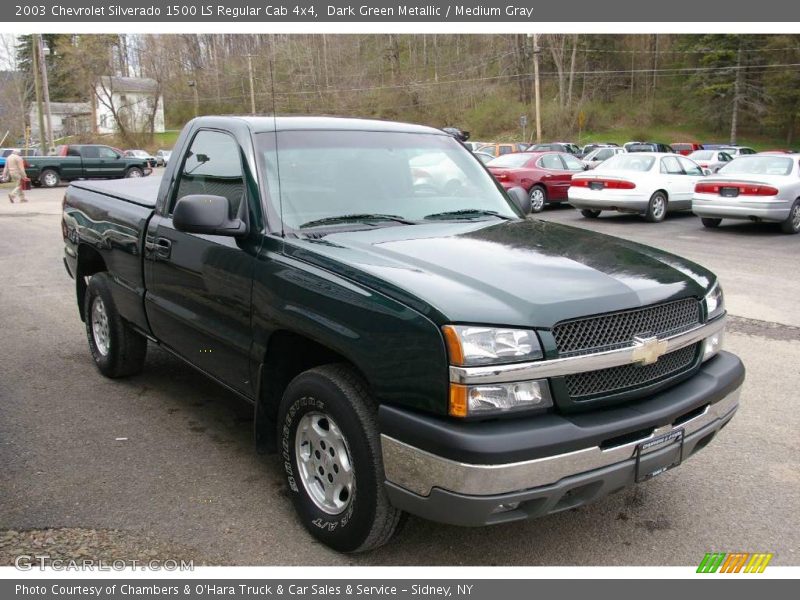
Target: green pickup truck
[[407, 347], [83, 161]]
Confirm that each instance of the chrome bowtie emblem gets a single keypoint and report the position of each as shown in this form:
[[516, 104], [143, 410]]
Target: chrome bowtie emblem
[[646, 351]]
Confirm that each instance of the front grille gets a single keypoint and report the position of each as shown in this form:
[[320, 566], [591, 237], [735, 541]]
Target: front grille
[[583, 386], [617, 330]]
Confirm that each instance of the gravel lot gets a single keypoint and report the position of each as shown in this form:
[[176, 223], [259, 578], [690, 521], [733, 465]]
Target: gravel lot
[[184, 482]]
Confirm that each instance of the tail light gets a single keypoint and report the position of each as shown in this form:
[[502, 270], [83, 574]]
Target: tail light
[[611, 184], [745, 189], [704, 165], [26, 164], [501, 175]]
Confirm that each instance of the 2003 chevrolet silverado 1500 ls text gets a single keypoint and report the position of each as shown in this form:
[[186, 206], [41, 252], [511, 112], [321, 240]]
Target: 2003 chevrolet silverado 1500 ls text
[[407, 349]]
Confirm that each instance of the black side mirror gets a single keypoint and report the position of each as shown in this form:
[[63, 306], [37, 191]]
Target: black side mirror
[[206, 214], [520, 199], [586, 167]]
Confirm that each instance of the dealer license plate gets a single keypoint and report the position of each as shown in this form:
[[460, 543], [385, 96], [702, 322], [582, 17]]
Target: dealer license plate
[[659, 455]]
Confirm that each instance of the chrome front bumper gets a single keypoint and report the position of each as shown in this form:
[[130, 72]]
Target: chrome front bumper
[[421, 472]]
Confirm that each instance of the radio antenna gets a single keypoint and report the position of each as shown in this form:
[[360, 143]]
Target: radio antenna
[[275, 133]]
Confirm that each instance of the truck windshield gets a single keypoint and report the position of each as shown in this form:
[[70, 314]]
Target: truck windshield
[[317, 177]]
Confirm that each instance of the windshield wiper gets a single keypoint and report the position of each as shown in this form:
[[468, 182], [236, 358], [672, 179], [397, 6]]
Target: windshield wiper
[[468, 213], [355, 218]]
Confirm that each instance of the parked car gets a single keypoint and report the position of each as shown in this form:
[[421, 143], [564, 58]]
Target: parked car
[[736, 151], [567, 147], [686, 148], [162, 157], [545, 176], [152, 161], [648, 147], [502, 148], [595, 145], [598, 155], [651, 184], [24, 152], [440, 356], [83, 161], [759, 188], [437, 171], [459, 134], [713, 160], [484, 157]]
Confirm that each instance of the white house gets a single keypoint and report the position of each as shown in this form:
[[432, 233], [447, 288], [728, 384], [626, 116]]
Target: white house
[[67, 118], [134, 100]]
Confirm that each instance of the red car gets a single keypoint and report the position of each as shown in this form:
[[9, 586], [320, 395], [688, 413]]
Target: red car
[[686, 148], [546, 176]]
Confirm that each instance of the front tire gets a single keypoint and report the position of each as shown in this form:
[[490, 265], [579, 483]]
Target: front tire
[[329, 440], [49, 178], [656, 207], [538, 196], [117, 350], [710, 222], [792, 222], [590, 213]]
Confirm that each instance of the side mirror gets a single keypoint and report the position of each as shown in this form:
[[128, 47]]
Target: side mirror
[[586, 167], [706, 171], [206, 214], [520, 199]]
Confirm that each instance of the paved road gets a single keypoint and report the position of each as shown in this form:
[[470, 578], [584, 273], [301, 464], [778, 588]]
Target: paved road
[[185, 475]]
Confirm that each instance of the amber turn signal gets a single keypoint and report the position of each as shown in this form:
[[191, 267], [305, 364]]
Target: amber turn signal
[[458, 400]]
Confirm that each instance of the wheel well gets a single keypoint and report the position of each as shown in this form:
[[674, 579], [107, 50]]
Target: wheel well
[[89, 262], [666, 194], [288, 354]]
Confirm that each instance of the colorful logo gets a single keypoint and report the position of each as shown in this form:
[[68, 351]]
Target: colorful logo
[[736, 562]]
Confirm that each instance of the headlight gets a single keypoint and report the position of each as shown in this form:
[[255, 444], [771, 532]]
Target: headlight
[[476, 400], [469, 345], [715, 303]]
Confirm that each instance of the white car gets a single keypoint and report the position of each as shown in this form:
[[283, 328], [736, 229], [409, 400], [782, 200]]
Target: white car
[[764, 187], [736, 151], [648, 183], [598, 155], [713, 160]]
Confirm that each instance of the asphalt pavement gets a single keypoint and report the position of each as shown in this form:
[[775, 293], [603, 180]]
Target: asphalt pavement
[[166, 459]]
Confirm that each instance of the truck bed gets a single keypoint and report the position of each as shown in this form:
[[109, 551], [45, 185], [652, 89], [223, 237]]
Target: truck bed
[[142, 191]]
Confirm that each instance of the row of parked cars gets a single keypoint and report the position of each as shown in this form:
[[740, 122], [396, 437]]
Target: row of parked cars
[[714, 184]]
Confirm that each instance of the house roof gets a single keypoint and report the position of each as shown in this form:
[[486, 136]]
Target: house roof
[[129, 84]]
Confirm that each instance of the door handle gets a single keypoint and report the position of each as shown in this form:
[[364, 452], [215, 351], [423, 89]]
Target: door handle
[[163, 247]]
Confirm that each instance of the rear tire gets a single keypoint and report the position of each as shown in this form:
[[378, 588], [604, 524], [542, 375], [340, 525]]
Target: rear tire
[[134, 172], [656, 208], [117, 350], [710, 222], [590, 213], [49, 178], [330, 445], [792, 222], [538, 196]]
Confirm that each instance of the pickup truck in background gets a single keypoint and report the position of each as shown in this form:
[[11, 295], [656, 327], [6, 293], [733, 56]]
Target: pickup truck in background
[[406, 348], [83, 161]]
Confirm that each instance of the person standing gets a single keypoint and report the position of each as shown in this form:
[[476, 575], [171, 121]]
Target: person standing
[[15, 169]]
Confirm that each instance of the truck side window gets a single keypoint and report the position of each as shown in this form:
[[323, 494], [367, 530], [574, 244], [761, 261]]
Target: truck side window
[[89, 152], [212, 166], [105, 152]]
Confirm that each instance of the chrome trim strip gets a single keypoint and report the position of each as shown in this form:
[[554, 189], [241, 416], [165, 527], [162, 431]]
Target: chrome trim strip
[[576, 364], [420, 471]]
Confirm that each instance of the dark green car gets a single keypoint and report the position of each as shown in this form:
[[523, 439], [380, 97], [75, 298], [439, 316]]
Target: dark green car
[[410, 341], [83, 161]]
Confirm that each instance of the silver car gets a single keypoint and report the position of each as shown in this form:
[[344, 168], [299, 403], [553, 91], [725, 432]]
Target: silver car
[[765, 187], [713, 160], [736, 151], [598, 155]]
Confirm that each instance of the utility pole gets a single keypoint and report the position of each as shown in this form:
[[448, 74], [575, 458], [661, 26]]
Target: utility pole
[[538, 100], [193, 84], [38, 88], [252, 88], [46, 92]]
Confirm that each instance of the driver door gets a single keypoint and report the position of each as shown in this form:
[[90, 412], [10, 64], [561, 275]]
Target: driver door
[[198, 297]]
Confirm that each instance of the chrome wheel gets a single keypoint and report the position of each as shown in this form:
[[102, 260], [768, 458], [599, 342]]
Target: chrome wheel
[[537, 199], [100, 329], [795, 216], [134, 173], [323, 460], [659, 207], [50, 179]]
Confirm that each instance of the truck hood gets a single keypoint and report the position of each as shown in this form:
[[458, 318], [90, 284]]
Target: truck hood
[[523, 273]]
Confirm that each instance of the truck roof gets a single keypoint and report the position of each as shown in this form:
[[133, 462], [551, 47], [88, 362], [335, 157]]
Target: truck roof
[[267, 123]]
